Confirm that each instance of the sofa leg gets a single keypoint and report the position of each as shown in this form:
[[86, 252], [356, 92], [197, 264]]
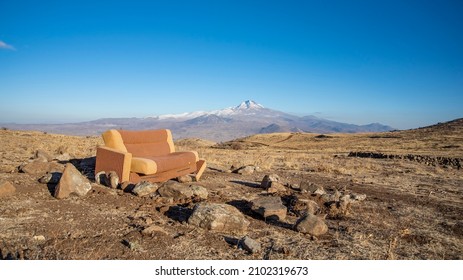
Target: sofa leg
[[200, 167]]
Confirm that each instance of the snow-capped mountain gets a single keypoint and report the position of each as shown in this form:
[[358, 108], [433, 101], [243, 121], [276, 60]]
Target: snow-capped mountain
[[247, 107], [247, 118]]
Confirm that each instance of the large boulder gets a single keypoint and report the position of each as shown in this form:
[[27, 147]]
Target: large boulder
[[311, 224], [175, 190], [269, 207], [7, 188], [72, 182], [145, 188], [218, 217]]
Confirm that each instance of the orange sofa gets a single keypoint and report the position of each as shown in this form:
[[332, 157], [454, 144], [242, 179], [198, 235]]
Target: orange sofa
[[147, 155]]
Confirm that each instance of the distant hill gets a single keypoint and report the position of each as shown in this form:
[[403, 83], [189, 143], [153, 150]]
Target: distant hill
[[245, 119]]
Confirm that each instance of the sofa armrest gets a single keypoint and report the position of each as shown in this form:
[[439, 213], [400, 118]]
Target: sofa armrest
[[108, 159]]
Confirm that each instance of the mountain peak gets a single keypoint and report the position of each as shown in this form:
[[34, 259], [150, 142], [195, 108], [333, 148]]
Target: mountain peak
[[249, 104]]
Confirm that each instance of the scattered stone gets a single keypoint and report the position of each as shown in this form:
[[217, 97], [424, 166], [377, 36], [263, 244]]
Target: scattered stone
[[246, 170], [7, 188], [185, 179], [72, 182], [311, 224], [269, 207], [113, 179], [309, 187], [150, 230], [358, 197], [319, 191], [50, 178], [175, 190], [250, 245], [40, 168], [63, 157], [39, 238], [272, 183], [145, 188], [101, 178], [268, 180], [127, 186], [218, 217], [311, 207], [276, 187], [42, 156], [199, 191]]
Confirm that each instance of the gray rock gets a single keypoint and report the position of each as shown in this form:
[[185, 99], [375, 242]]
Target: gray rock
[[185, 179], [175, 190], [50, 178], [246, 170], [218, 217], [145, 188], [199, 191], [250, 245], [310, 206], [41, 155], [312, 225], [358, 197], [319, 191], [6, 189], [72, 182], [272, 183], [308, 187], [268, 180], [269, 207]]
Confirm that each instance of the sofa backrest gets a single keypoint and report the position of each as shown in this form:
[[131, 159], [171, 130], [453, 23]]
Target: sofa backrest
[[141, 143]]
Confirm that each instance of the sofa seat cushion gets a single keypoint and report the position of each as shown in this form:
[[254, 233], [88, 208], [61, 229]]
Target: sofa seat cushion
[[157, 164]]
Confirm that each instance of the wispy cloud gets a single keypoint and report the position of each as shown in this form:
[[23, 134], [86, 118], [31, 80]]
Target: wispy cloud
[[5, 46]]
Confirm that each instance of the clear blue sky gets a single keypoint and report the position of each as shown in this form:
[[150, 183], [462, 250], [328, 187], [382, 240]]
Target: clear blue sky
[[395, 62]]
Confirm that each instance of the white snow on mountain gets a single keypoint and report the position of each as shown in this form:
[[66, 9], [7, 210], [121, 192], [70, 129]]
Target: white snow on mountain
[[245, 108]]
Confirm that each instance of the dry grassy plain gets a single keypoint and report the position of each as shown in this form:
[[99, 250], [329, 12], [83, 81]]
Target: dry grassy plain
[[413, 208]]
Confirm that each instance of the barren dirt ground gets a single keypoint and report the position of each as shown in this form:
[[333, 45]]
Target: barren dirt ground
[[413, 207]]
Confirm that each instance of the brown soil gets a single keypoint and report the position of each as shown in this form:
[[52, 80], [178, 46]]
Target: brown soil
[[413, 209]]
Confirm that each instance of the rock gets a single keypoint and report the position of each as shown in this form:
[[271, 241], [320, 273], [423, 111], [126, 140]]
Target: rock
[[175, 190], [185, 179], [199, 191], [311, 207], [268, 180], [358, 197], [272, 183], [246, 170], [113, 179], [218, 217], [153, 229], [50, 178], [312, 225], [72, 182], [42, 156], [39, 238], [40, 168], [250, 245], [308, 187], [276, 187], [269, 207], [145, 188], [63, 157], [319, 191], [127, 186], [101, 178], [7, 188]]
